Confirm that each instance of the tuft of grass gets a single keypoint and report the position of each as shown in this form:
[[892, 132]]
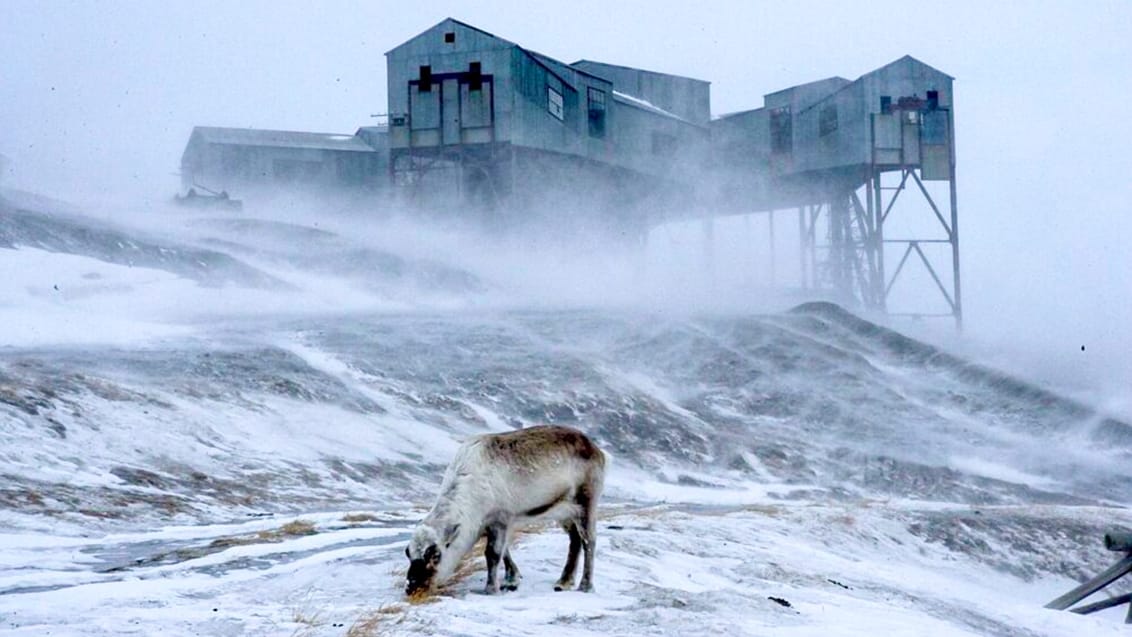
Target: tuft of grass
[[307, 616], [235, 540], [307, 623], [370, 622], [471, 564], [355, 518], [294, 528]]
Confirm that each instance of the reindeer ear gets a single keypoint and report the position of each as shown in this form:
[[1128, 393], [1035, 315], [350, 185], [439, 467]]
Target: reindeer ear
[[450, 534]]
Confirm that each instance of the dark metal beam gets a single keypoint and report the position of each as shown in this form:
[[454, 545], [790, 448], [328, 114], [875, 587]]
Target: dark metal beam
[[895, 195], [899, 267], [1110, 575], [935, 277], [931, 202], [1103, 604]]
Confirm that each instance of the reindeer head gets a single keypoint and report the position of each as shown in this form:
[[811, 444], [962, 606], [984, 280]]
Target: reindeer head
[[424, 552]]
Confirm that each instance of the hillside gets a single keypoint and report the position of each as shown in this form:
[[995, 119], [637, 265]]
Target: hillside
[[170, 401]]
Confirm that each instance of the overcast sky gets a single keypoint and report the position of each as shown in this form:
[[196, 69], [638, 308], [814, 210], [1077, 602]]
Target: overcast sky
[[102, 96]]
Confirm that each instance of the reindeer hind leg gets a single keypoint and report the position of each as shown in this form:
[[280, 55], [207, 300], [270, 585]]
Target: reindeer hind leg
[[587, 526], [566, 582]]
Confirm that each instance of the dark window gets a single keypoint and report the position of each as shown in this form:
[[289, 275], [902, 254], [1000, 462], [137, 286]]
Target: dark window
[[595, 108], [933, 100], [781, 131], [450, 37], [475, 77], [425, 84], [886, 104], [827, 119]]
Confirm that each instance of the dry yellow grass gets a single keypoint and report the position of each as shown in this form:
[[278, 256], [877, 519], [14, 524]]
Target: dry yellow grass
[[295, 528], [369, 623], [308, 618], [355, 518], [470, 564]]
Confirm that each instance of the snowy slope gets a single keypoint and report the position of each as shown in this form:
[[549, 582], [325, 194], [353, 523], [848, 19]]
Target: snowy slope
[[170, 400]]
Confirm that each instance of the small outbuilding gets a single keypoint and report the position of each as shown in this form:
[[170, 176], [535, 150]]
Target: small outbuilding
[[237, 159]]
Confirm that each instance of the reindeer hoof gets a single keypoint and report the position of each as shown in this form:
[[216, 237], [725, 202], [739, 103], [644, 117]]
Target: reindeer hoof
[[563, 586], [586, 587], [510, 588], [490, 590]]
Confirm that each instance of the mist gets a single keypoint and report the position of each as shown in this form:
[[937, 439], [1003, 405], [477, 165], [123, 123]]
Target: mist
[[101, 101], [100, 106]]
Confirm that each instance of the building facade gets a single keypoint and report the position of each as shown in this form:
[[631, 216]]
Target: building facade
[[494, 117]]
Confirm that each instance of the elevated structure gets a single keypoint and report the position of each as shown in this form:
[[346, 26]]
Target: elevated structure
[[484, 127], [843, 154], [477, 119], [235, 159]]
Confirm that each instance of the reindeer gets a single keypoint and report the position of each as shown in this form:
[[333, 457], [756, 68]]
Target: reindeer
[[497, 482]]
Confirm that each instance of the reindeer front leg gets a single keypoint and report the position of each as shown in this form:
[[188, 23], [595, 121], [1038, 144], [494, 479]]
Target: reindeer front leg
[[496, 548], [513, 577]]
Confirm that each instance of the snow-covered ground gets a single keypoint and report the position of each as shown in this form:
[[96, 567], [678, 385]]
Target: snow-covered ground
[[785, 569], [220, 426]]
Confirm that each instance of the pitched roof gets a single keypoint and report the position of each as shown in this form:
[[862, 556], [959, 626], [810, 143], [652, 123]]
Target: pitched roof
[[836, 82], [633, 68], [278, 138], [645, 105], [557, 68], [456, 22], [908, 58]]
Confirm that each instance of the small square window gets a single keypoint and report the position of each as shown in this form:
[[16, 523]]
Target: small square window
[[450, 37]]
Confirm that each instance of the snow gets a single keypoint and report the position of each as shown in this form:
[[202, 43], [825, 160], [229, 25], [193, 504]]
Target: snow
[[645, 104], [660, 571], [159, 436], [51, 299]]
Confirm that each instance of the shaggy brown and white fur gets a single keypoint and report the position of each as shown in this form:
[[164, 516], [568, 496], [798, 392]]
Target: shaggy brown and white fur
[[497, 482]]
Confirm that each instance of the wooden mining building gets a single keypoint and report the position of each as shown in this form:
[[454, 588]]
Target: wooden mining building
[[482, 127]]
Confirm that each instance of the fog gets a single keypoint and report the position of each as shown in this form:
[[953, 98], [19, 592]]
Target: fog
[[97, 102]]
